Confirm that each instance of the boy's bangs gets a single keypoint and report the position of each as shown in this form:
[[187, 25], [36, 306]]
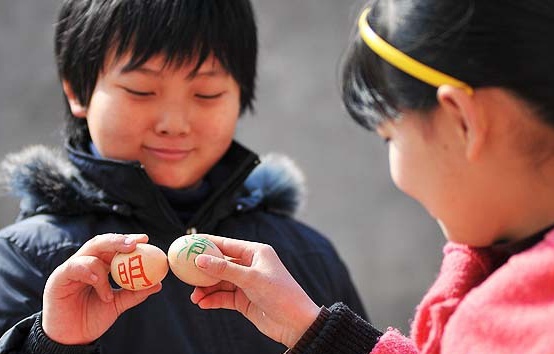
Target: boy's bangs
[[179, 32], [367, 94]]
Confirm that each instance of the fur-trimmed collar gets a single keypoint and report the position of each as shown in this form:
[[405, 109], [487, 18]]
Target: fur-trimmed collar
[[45, 180]]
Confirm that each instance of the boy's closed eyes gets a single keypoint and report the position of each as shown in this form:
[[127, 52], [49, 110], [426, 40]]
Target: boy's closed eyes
[[208, 83]]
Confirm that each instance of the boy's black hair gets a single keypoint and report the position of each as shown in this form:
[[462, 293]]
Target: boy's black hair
[[88, 30], [492, 43]]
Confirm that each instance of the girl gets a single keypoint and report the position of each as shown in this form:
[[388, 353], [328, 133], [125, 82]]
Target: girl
[[463, 92]]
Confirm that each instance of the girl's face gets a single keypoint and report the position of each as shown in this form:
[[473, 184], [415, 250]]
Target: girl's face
[[428, 162], [481, 165], [176, 124]]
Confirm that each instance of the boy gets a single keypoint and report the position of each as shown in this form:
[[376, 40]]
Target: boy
[[154, 90]]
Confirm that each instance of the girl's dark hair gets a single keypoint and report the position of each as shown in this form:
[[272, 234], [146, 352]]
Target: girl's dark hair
[[88, 30], [492, 43]]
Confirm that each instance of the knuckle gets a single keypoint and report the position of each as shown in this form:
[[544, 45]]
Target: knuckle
[[101, 237], [76, 267], [108, 240], [98, 239], [83, 264], [267, 249]]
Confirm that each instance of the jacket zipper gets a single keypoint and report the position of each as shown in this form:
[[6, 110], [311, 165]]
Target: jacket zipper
[[199, 220]]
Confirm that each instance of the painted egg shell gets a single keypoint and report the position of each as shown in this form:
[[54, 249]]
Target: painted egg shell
[[182, 253], [141, 269]]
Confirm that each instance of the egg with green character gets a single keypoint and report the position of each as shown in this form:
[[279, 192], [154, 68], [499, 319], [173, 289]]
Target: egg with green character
[[181, 256]]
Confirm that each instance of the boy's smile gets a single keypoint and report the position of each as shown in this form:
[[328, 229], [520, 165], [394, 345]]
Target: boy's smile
[[168, 153], [175, 122]]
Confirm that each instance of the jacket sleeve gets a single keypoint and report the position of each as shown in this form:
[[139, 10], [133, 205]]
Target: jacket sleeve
[[23, 278], [20, 294], [22, 284], [27, 337], [339, 330], [13, 341], [29, 251]]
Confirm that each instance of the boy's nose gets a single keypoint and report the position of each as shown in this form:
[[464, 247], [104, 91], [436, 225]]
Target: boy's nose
[[173, 122]]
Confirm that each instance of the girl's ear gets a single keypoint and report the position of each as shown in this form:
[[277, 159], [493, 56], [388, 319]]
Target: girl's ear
[[467, 117], [75, 105]]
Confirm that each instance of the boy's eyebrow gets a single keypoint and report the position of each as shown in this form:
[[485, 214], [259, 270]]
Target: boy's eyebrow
[[158, 72], [141, 69], [206, 73]]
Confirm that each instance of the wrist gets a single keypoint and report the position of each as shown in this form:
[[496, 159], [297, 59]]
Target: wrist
[[317, 325], [302, 324]]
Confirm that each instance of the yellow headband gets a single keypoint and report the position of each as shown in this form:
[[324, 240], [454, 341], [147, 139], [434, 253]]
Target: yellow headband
[[403, 62]]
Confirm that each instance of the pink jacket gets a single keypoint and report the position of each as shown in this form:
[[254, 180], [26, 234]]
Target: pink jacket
[[470, 309]]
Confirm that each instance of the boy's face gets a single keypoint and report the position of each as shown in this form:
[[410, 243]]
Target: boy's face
[[176, 124]]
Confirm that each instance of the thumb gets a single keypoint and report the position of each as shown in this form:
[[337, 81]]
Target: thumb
[[125, 299], [222, 269]]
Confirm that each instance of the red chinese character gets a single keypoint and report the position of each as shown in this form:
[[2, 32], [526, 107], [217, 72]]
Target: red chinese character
[[122, 271], [136, 271]]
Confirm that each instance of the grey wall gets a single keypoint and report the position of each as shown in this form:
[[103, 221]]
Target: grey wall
[[389, 243]]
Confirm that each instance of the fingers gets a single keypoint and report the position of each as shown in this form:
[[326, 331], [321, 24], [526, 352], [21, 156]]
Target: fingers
[[86, 269], [200, 293], [216, 300], [91, 263], [223, 296], [107, 245], [239, 249], [224, 269]]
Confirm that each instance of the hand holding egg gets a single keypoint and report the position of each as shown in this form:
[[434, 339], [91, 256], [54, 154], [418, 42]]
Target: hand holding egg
[[79, 304], [182, 253]]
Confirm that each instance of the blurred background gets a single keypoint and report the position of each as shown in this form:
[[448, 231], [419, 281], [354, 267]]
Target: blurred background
[[390, 245]]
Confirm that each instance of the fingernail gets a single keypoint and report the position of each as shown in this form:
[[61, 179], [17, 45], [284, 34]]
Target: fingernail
[[128, 240], [202, 261], [94, 278]]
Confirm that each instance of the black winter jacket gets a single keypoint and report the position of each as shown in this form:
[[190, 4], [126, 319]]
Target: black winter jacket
[[65, 203]]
